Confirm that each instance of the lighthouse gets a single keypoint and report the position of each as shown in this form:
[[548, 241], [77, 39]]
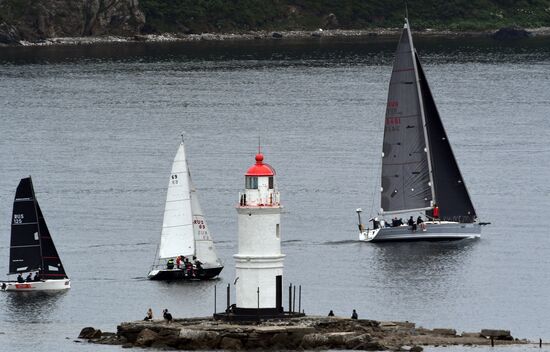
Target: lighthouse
[[259, 262]]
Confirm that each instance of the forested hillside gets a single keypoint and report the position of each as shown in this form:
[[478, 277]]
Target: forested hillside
[[223, 15], [39, 19]]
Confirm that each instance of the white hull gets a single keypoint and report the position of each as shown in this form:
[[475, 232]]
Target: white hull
[[36, 286], [433, 231]]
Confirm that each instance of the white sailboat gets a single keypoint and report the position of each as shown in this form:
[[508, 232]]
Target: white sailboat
[[31, 248], [184, 233], [420, 174]]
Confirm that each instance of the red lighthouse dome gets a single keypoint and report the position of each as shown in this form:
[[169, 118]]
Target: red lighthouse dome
[[260, 169]]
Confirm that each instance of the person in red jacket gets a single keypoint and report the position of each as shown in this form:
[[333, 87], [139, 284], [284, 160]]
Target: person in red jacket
[[436, 212]]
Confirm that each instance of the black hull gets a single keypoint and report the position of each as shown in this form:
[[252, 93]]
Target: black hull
[[180, 274]]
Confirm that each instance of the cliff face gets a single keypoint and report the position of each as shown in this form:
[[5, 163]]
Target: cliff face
[[39, 19]]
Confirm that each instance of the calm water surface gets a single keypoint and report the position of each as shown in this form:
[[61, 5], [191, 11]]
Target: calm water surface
[[98, 127]]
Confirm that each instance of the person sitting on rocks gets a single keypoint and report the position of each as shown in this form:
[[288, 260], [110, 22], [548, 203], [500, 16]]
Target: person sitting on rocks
[[29, 278], [178, 261], [149, 315], [354, 315], [20, 278], [167, 316], [331, 313], [36, 276]]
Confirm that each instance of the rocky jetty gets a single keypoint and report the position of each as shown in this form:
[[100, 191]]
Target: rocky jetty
[[305, 333]]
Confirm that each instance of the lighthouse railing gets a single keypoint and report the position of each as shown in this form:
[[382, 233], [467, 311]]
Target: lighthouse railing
[[272, 199]]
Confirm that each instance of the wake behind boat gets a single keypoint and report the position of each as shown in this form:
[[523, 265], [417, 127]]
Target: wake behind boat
[[420, 174], [186, 250], [32, 249]]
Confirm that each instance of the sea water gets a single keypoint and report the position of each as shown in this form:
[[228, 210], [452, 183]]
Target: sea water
[[97, 127]]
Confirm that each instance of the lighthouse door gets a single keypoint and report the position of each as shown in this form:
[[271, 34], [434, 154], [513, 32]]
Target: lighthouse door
[[279, 293]]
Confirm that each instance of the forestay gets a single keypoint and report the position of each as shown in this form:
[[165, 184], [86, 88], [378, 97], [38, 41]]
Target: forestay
[[177, 236]]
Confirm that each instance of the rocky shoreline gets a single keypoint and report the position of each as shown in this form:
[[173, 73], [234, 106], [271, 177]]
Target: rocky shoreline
[[304, 333], [262, 35]]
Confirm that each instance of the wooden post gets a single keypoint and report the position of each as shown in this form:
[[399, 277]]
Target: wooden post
[[294, 300], [540, 343], [215, 296], [299, 298], [228, 297], [492, 341], [258, 303], [290, 298]]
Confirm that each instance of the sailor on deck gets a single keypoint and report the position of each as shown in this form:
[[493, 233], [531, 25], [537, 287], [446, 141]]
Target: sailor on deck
[[412, 224], [436, 212], [170, 264]]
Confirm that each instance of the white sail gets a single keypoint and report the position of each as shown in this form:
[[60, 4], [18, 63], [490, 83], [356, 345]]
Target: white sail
[[177, 236], [204, 246]]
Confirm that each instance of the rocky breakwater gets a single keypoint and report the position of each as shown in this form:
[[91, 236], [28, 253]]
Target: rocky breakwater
[[291, 334], [35, 20]]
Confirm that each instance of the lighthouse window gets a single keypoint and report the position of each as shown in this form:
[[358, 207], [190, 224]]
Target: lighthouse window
[[251, 182], [270, 182], [278, 231]]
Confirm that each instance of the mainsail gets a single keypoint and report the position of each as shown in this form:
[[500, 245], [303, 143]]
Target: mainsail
[[32, 246], [177, 236], [25, 253], [406, 180], [453, 199]]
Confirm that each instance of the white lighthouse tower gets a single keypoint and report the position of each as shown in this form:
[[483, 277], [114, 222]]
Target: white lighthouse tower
[[259, 263]]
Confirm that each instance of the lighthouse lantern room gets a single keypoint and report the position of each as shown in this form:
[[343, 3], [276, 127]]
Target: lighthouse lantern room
[[259, 262]]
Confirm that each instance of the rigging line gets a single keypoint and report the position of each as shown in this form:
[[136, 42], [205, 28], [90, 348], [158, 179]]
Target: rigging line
[[378, 176]]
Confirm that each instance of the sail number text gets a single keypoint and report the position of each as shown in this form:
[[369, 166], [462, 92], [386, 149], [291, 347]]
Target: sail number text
[[174, 179], [18, 218]]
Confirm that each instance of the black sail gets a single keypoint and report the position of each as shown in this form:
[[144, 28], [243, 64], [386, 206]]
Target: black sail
[[31, 247], [52, 268], [25, 252], [406, 181], [451, 193]]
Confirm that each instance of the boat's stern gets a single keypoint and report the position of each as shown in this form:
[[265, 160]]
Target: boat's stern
[[153, 273], [368, 235]]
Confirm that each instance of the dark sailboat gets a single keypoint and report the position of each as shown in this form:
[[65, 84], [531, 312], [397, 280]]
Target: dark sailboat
[[32, 249], [419, 171]]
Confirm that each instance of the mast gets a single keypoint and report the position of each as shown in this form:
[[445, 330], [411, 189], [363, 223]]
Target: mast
[[37, 224], [422, 113]]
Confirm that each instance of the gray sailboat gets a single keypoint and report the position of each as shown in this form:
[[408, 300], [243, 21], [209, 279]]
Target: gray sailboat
[[420, 175]]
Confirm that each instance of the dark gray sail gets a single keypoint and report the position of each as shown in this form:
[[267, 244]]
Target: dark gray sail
[[452, 196], [25, 251], [405, 166]]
